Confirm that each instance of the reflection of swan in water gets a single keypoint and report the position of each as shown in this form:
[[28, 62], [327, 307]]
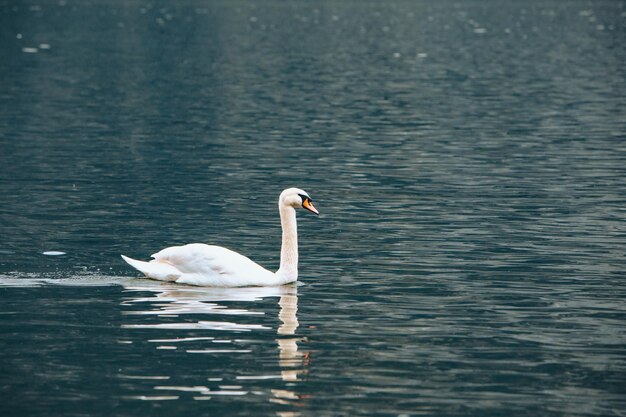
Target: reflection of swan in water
[[292, 362], [174, 300], [290, 358]]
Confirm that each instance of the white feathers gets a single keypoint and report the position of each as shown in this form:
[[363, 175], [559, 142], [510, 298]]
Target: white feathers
[[215, 266]]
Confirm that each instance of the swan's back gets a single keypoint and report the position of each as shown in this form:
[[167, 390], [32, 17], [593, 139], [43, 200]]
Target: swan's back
[[208, 265]]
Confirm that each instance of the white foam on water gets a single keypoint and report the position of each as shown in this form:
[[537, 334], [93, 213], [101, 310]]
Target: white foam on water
[[218, 351], [32, 279], [153, 398], [259, 377]]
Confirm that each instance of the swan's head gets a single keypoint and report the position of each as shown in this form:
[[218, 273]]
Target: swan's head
[[297, 198]]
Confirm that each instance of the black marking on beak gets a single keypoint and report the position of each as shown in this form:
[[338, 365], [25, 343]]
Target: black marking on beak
[[307, 204]]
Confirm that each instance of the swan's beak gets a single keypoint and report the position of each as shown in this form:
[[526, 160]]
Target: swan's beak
[[309, 206]]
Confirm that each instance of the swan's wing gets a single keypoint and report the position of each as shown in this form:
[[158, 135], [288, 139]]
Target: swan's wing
[[195, 258], [203, 264], [154, 269]]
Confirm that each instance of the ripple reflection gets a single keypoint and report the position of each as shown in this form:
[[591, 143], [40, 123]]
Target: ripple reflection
[[224, 370]]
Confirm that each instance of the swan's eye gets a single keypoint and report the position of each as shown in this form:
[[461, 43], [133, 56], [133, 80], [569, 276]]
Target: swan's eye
[[305, 200]]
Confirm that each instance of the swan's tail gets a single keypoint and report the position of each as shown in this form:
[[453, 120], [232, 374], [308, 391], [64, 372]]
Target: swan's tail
[[154, 269]]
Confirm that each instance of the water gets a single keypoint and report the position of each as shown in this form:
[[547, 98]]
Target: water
[[468, 159]]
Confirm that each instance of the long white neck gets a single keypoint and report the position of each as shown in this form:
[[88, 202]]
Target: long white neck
[[289, 248]]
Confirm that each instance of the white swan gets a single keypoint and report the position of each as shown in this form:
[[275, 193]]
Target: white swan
[[215, 266]]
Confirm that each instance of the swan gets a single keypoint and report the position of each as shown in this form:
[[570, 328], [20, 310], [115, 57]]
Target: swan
[[215, 266]]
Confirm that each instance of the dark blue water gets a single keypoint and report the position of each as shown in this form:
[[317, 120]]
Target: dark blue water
[[468, 159]]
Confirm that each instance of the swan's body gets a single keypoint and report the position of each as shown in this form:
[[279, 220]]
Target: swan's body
[[215, 266], [200, 264]]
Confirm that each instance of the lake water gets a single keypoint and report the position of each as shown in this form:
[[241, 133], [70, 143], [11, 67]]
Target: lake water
[[468, 159]]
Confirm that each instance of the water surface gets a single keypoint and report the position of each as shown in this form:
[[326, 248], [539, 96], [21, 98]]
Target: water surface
[[468, 160]]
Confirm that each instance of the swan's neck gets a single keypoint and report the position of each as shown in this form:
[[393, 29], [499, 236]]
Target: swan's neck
[[289, 250]]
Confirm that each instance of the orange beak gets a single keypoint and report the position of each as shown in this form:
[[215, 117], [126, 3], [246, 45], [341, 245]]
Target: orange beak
[[309, 206]]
